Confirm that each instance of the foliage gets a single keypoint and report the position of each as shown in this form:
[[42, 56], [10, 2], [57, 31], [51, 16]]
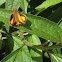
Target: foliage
[[39, 39]]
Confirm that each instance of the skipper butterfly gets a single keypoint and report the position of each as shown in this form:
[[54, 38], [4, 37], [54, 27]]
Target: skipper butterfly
[[17, 18]]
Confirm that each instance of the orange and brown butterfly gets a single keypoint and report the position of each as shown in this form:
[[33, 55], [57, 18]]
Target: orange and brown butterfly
[[17, 18]]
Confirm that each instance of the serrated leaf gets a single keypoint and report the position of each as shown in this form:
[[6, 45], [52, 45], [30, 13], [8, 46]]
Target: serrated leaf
[[47, 4], [43, 28]]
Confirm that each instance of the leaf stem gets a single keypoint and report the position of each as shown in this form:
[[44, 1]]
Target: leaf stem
[[42, 47], [48, 47]]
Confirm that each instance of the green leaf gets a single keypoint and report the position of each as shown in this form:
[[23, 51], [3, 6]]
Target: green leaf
[[14, 42], [46, 55], [18, 54], [43, 28], [11, 4], [40, 26], [17, 42], [2, 1], [24, 5], [34, 39], [23, 55], [56, 58], [47, 4], [4, 17], [60, 25], [36, 54], [9, 56]]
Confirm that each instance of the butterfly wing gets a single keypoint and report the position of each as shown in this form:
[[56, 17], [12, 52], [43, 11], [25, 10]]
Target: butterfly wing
[[21, 18], [12, 20]]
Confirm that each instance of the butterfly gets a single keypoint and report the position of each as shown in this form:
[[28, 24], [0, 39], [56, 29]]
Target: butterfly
[[17, 18]]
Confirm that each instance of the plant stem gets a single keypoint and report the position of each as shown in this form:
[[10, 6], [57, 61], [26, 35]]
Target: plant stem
[[43, 44], [42, 47], [48, 47]]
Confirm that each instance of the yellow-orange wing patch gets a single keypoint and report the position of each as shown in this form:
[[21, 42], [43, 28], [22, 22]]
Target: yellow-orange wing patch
[[12, 20], [21, 19]]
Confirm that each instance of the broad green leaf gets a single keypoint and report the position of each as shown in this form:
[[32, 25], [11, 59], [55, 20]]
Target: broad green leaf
[[2, 1], [56, 58], [43, 28], [20, 56], [5, 13], [47, 4], [5, 17], [40, 26], [24, 5], [17, 42], [9, 56], [17, 55], [11, 4], [36, 54], [23, 55], [34, 39]]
